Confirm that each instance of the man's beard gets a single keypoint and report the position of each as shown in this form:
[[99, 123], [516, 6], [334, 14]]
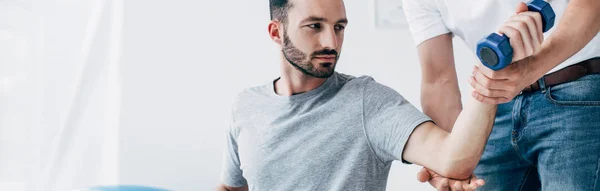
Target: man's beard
[[303, 63]]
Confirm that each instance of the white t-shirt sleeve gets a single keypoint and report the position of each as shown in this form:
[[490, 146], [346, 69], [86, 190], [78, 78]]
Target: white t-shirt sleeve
[[424, 19]]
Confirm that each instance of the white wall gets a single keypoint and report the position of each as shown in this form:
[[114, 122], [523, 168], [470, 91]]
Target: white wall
[[55, 94], [185, 60]]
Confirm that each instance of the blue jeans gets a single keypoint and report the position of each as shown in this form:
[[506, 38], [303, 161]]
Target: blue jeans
[[546, 140]]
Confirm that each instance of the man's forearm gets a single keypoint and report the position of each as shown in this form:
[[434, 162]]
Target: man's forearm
[[227, 188], [465, 144], [441, 101], [222, 188], [579, 24]]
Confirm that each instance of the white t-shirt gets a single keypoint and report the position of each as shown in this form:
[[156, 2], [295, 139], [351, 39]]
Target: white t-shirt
[[472, 20]]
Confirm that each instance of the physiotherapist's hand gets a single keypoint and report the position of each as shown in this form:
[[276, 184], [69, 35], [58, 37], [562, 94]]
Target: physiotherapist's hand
[[445, 184], [496, 87], [525, 33]]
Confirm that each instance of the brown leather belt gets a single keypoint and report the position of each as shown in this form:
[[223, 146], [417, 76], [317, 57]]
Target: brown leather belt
[[567, 74]]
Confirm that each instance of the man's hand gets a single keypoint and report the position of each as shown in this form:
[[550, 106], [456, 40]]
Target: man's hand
[[497, 87], [524, 30], [445, 184], [525, 33]]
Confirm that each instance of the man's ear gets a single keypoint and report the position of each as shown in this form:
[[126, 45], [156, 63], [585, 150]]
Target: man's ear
[[275, 32]]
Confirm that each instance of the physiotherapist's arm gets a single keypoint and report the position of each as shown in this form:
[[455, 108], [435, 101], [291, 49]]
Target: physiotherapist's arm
[[440, 95], [455, 154], [577, 27]]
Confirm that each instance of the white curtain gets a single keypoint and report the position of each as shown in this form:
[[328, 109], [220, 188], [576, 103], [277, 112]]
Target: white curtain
[[59, 93]]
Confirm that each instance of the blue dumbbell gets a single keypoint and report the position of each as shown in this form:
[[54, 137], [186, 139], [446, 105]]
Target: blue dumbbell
[[495, 51]]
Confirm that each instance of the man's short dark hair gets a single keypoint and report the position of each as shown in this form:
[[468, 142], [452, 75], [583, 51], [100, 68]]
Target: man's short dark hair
[[279, 9]]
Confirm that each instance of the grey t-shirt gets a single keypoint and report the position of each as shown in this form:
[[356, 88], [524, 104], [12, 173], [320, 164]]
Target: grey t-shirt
[[342, 135]]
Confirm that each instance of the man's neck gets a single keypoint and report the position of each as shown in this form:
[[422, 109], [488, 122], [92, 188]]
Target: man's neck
[[294, 82]]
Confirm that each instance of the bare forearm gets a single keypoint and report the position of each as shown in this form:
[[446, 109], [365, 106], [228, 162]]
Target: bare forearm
[[577, 27], [454, 154], [464, 146], [227, 188], [222, 188], [441, 101]]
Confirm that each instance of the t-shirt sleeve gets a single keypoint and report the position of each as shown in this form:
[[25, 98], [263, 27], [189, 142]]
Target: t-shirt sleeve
[[389, 120], [424, 19], [231, 174]]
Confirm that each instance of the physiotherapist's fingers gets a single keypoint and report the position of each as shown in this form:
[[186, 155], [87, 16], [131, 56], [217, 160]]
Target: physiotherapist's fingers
[[503, 74], [469, 187], [488, 83], [439, 184], [521, 7], [510, 80], [534, 32], [485, 91], [423, 175], [473, 184], [443, 185], [480, 182], [457, 186], [489, 73], [515, 40], [488, 100], [525, 36], [537, 17]]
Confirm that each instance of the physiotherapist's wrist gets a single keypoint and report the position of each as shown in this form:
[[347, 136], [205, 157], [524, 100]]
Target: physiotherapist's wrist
[[538, 66], [551, 55]]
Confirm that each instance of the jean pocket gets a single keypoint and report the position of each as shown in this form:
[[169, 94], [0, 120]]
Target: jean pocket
[[584, 91]]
